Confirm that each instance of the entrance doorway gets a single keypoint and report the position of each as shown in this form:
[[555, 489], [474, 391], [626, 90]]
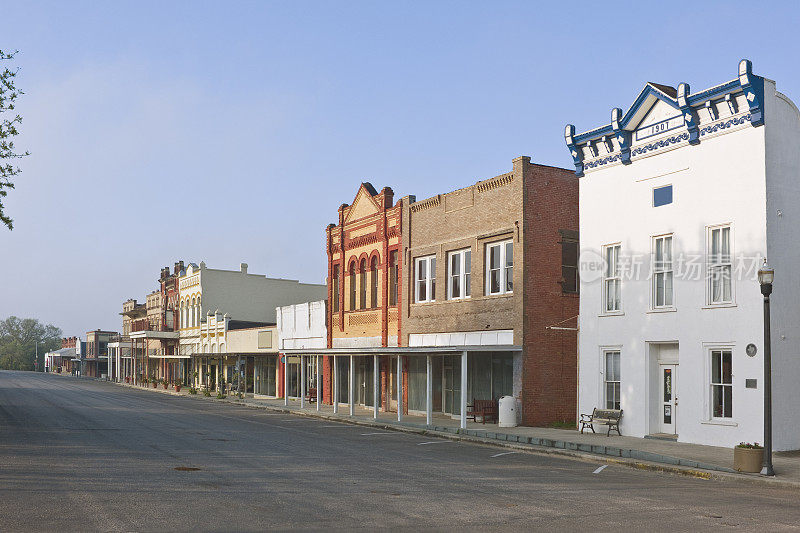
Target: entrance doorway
[[669, 401]]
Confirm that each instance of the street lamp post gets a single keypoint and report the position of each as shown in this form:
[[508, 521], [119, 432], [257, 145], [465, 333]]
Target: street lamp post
[[765, 277]]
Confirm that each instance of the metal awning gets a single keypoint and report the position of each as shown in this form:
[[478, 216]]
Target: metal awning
[[148, 334], [403, 350], [233, 354]]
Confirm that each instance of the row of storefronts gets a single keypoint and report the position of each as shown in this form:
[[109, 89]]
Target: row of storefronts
[[471, 295]]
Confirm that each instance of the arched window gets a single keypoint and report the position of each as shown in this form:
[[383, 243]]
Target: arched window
[[373, 282], [335, 288], [193, 312], [363, 284], [352, 285], [198, 315], [183, 314]]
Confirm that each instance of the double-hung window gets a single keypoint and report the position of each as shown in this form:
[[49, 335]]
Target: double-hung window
[[721, 384], [662, 272], [500, 267], [719, 265], [611, 379], [612, 280], [459, 265], [425, 279]]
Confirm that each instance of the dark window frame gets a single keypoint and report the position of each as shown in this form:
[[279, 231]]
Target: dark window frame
[[570, 250]]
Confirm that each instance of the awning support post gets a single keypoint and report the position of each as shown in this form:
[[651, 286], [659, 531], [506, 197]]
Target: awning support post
[[375, 387], [302, 382], [399, 387], [464, 390], [429, 391], [285, 380], [335, 385], [319, 382], [351, 387]]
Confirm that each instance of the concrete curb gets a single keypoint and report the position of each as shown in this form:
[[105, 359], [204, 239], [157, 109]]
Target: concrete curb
[[578, 451]]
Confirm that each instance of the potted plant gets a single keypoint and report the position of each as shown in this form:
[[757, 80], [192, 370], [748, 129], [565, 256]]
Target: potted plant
[[206, 392], [192, 390], [165, 383], [177, 386], [748, 457], [127, 379], [154, 380]]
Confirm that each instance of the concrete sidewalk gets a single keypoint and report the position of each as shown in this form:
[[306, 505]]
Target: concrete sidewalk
[[692, 459]]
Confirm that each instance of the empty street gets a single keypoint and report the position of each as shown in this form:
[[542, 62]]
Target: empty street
[[89, 455]]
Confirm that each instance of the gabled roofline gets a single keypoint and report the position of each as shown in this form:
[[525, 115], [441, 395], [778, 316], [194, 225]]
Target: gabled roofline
[[684, 103]]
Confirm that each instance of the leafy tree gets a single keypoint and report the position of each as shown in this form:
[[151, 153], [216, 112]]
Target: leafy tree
[[8, 130], [18, 338]]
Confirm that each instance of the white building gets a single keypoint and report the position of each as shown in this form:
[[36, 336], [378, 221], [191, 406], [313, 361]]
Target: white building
[[680, 199], [300, 326]]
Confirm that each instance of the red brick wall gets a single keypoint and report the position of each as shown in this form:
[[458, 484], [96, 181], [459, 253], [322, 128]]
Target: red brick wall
[[549, 379]]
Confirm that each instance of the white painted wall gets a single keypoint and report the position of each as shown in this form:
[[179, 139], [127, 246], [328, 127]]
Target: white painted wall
[[302, 325], [783, 249], [721, 180]]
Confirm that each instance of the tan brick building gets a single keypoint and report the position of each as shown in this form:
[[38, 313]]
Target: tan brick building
[[364, 287], [490, 268]]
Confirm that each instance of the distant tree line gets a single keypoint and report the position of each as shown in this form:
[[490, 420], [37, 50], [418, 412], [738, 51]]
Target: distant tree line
[[18, 338]]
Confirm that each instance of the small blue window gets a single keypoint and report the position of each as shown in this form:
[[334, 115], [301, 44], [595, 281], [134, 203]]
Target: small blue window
[[662, 195]]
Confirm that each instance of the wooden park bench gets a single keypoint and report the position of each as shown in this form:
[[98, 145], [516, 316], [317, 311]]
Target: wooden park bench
[[486, 409], [311, 395], [607, 417]]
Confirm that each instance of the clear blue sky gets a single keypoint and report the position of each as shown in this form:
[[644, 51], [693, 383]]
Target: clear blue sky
[[232, 131]]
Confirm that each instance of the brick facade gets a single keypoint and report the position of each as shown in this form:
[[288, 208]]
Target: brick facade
[[360, 251], [549, 380]]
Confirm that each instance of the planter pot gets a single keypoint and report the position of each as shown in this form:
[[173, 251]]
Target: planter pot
[[748, 459], [166, 386], [127, 380], [177, 388], [155, 385]]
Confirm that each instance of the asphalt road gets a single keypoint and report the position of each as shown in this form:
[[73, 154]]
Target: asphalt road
[[87, 455]]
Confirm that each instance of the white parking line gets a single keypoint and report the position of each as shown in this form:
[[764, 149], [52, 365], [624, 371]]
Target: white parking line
[[432, 442], [600, 469], [504, 453]]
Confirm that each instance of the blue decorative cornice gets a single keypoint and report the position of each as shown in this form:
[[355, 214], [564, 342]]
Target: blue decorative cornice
[[689, 117], [603, 161], [731, 122], [574, 150], [686, 104], [753, 87], [623, 137], [661, 143]]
